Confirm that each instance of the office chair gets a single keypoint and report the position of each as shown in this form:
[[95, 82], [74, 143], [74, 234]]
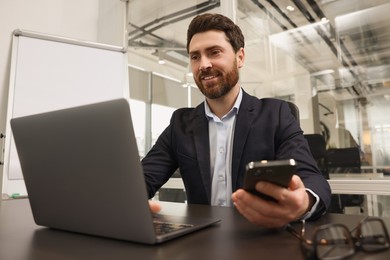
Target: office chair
[[294, 110], [317, 145], [344, 160]]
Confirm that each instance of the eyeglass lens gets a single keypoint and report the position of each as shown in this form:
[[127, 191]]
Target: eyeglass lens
[[334, 242], [373, 236]]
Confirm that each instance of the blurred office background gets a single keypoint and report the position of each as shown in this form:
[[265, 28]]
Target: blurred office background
[[330, 57]]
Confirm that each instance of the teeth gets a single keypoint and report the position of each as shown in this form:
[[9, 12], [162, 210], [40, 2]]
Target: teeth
[[208, 77]]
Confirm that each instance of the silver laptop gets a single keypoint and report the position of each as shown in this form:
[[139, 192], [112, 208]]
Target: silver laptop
[[83, 173]]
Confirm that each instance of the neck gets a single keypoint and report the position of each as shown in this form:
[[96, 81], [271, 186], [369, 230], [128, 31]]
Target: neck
[[221, 106]]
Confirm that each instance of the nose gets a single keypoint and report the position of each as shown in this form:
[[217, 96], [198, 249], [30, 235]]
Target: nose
[[205, 64]]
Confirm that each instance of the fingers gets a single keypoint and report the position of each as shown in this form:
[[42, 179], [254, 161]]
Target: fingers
[[279, 193], [257, 210], [154, 206], [291, 203]]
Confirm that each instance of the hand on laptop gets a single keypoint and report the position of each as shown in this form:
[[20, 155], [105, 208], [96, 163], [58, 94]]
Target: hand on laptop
[[291, 205], [154, 206]]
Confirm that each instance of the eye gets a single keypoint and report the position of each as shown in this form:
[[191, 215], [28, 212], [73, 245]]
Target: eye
[[194, 57], [215, 52]]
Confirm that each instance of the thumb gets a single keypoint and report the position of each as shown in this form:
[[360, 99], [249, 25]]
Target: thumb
[[296, 183]]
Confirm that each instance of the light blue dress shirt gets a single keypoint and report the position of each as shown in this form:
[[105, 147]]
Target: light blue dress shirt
[[221, 133]]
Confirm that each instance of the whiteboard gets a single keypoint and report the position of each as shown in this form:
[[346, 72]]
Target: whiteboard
[[49, 73]]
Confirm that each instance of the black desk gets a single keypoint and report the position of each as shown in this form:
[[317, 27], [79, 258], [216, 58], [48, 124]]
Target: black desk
[[233, 238]]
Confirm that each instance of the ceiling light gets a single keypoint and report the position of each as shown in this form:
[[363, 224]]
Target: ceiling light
[[161, 57], [290, 8]]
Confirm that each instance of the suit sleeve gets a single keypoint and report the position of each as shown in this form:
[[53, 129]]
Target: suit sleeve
[[293, 144], [160, 163]]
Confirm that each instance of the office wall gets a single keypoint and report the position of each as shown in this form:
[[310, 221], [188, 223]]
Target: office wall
[[87, 20]]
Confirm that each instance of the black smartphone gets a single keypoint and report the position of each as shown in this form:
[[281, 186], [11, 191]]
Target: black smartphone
[[278, 172]]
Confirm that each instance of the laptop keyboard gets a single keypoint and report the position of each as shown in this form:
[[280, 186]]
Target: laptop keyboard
[[162, 228]]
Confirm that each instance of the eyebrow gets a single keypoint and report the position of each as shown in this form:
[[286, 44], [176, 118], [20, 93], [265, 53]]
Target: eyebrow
[[207, 49]]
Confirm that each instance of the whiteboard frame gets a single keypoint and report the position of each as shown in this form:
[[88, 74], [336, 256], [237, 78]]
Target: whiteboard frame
[[9, 185]]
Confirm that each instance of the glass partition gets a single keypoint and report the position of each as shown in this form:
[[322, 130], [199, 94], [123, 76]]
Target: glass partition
[[331, 58]]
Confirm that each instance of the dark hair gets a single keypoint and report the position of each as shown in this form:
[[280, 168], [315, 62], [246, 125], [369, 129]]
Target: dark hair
[[206, 22]]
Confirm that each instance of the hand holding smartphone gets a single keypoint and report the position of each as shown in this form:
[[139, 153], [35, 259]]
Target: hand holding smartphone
[[278, 172]]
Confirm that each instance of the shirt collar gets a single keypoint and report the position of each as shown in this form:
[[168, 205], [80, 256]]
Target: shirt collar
[[235, 107]]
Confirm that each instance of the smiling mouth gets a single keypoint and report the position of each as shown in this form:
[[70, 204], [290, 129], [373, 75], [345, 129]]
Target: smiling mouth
[[208, 77]]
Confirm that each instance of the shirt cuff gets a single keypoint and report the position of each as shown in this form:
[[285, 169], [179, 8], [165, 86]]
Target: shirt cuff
[[314, 208]]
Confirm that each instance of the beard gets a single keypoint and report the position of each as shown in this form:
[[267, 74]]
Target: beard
[[226, 82]]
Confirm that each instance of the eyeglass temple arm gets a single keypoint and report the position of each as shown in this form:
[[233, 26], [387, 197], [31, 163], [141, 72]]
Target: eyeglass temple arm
[[293, 232]]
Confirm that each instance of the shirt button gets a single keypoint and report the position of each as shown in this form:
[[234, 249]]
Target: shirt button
[[221, 149]]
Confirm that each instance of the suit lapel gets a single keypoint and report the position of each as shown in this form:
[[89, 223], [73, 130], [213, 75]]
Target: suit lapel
[[244, 121], [202, 146]]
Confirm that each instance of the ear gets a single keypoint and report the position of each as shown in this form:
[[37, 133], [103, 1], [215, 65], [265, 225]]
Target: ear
[[240, 56]]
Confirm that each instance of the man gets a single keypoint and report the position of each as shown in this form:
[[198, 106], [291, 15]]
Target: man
[[212, 143]]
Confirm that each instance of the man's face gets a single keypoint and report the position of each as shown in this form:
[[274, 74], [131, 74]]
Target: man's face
[[214, 63]]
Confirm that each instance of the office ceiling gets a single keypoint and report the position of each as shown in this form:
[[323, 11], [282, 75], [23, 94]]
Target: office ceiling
[[344, 44]]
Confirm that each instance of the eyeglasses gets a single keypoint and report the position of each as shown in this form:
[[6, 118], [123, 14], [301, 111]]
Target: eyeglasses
[[335, 241]]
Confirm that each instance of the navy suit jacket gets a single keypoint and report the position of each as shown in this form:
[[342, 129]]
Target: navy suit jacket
[[265, 130]]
